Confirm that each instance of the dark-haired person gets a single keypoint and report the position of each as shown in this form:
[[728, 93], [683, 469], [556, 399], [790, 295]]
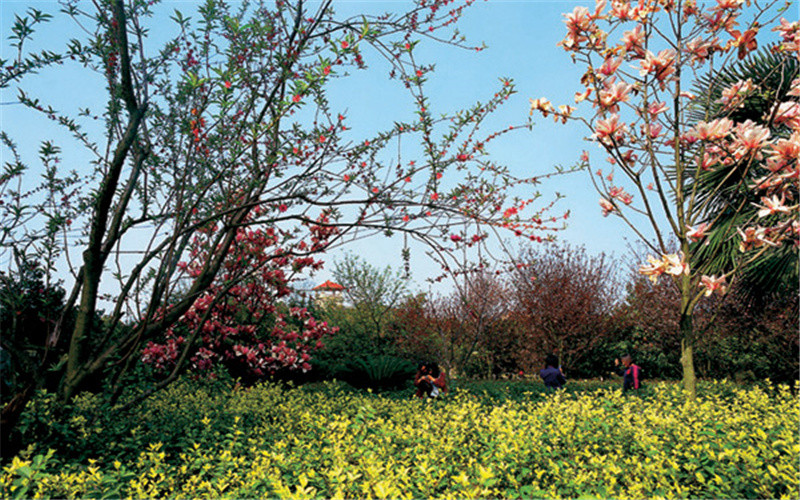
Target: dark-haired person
[[551, 374], [631, 373], [430, 381]]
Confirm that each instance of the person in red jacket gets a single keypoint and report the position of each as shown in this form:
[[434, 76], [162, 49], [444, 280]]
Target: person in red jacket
[[631, 373], [430, 381]]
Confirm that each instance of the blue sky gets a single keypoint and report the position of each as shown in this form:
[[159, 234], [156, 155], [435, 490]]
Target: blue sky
[[521, 37]]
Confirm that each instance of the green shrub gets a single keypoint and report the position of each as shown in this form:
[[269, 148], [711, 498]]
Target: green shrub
[[379, 372]]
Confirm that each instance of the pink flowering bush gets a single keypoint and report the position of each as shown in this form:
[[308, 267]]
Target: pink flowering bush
[[240, 321]]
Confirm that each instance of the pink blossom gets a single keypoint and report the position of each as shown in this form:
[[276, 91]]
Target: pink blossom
[[697, 233], [609, 97], [661, 66], [653, 269], [790, 33], [675, 264], [606, 206], [772, 205], [787, 113], [794, 89], [733, 97], [753, 237], [750, 137], [542, 105], [633, 41], [608, 129], [713, 284], [654, 108], [713, 130]]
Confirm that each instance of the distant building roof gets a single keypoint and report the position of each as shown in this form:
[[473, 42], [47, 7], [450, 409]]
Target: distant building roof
[[328, 285]]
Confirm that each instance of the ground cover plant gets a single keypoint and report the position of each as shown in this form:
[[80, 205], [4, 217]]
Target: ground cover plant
[[501, 439]]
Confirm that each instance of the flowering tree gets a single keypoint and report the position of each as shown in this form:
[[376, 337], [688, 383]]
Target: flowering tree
[[639, 65], [227, 126], [238, 321]]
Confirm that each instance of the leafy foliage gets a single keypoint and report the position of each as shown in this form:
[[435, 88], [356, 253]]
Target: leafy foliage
[[328, 441]]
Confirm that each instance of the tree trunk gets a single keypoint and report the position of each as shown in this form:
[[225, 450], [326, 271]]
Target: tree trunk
[[687, 355]]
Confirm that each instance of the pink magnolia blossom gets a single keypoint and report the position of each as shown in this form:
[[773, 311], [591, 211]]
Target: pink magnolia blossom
[[753, 237], [654, 108], [772, 206], [749, 137], [582, 96], [784, 152], [609, 129], [609, 67], [713, 284], [563, 113], [661, 66], [697, 233], [713, 130], [733, 97], [675, 264], [787, 113], [790, 33], [607, 207], [542, 105], [620, 194], [654, 268], [633, 41], [614, 93], [700, 49], [794, 89]]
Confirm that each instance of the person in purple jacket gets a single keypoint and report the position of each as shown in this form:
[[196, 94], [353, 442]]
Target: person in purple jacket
[[631, 373], [551, 374]]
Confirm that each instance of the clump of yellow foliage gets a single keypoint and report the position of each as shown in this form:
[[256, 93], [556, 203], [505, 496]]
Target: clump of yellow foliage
[[729, 443]]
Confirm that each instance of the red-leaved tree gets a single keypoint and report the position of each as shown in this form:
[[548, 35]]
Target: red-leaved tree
[[562, 301]]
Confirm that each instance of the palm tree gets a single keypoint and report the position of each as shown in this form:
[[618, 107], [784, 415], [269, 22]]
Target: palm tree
[[732, 201]]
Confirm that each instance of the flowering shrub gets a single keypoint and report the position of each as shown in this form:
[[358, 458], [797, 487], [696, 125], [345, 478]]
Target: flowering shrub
[[268, 442]]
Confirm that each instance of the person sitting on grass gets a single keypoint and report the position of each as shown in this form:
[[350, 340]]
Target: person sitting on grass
[[631, 373], [430, 381], [551, 374]]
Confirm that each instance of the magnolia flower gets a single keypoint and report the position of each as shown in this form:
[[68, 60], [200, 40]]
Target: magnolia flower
[[753, 237], [609, 67], [633, 41], [661, 65], [675, 264], [749, 137], [788, 113], [607, 207], [794, 89], [612, 94], [607, 129], [655, 108], [654, 269], [772, 206], [713, 130], [697, 233], [733, 97], [785, 151], [746, 42], [713, 284], [542, 105], [563, 113], [790, 32], [582, 96], [620, 194]]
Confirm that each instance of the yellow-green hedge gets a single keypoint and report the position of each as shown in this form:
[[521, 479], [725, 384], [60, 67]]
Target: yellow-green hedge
[[730, 443]]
